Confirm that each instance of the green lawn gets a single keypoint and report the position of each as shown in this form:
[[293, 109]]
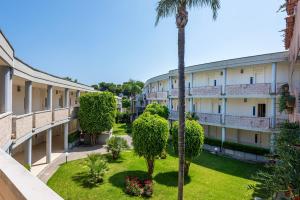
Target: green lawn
[[120, 129], [211, 177]]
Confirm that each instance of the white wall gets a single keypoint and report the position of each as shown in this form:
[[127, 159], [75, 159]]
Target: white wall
[[18, 100]]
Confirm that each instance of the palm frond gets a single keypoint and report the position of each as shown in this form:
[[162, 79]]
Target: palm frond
[[166, 8], [213, 4]]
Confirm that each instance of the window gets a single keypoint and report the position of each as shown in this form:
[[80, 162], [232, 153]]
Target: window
[[242, 71], [245, 100], [219, 109], [215, 82], [262, 110], [251, 80], [253, 111], [256, 138], [221, 73]]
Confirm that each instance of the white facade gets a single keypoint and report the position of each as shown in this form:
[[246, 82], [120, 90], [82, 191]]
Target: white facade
[[238, 97]]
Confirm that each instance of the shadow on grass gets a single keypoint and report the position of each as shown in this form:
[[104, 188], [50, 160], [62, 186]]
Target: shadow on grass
[[170, 179], [222, 164], [118, 179], [83, 179], [111, 160]]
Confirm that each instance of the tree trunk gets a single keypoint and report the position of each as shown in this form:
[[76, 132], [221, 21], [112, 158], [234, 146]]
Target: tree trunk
[[150, 165], [181, 21], [187, 168]]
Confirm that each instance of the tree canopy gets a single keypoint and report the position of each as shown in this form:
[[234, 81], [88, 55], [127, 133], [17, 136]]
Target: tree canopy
[[156, 108]]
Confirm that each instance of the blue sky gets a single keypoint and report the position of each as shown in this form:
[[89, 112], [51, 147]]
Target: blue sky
[[112, 41]]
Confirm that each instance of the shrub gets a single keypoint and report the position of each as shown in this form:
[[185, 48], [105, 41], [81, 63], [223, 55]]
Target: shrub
[[116, 145], [97, 168], [73, 136], [97, 113], [191, 116], [149, 137], [125, 102], [136, 187], [194, 139], [123, 117], [155, 108], [237, 147]]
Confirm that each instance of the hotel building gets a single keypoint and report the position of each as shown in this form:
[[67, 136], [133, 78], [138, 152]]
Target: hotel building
[[236, 100]]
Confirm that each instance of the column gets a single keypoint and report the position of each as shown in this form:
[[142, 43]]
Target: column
[[224, 108], [48, 145], [49, 97], [8, 90], [66, 134], [224, 81], [273, 105], [169, 93], [191, 105], [223, 135], [67, 98], [28, 152], [28, 97]]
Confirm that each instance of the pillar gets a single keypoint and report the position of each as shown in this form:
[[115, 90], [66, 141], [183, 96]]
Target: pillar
[[224, 81], [191, 105], [28, 152], [49, 97], [223, 135], [67, 98], [169, 93], [28, 97], [273, 105], [48, 145], [8, 90], [272, 142], [66, 134], [77, 96], [224, 108]]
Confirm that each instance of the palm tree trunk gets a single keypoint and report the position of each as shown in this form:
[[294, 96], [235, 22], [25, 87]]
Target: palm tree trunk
[[181, 139]]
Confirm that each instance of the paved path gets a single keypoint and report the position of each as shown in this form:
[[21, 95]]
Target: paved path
[[74, 154]]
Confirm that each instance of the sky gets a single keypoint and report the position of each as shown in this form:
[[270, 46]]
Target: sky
[[114, 41]]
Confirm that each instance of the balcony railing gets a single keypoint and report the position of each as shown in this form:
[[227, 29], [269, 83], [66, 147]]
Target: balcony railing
[[206, 91], [42, 118], [174, 115], [5, 128], [248, 122], [175, 92], [162, 95], [60, 114], [22, 125], [248, 89], [210, 118], [152, 95]]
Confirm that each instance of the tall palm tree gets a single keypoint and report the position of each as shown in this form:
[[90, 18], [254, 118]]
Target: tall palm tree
[[166, 8]]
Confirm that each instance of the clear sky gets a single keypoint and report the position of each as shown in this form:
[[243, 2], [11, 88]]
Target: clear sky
[[112, 41]]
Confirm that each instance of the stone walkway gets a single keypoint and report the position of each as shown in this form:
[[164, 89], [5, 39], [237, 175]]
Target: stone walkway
[[74, 154]]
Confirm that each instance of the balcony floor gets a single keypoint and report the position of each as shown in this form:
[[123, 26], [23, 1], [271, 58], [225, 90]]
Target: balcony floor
[[39, 154]]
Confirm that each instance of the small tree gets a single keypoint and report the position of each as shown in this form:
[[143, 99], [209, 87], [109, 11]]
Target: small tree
[[149, 136], [116, 145], [156, 108], [97, 168], [194, 140], [97, 113]]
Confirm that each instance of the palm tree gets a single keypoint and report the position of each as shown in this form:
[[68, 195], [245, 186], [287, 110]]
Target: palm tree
[[166, 8]]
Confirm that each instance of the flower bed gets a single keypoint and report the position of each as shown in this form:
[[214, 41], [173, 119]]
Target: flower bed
[[136, 187]]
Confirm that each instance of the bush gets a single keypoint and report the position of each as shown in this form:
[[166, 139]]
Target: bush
[[137, 187], [194, 139], [125, 102], [123, 117], [73, 136], [149, 137], [97, 113], [237, 147], [116, 145], [155, 108], [97, 168]]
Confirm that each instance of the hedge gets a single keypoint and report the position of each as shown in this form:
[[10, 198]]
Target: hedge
[[237, 147]]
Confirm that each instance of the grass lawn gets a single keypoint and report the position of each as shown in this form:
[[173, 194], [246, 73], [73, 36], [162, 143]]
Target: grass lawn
[[211, 177], [120, 129]]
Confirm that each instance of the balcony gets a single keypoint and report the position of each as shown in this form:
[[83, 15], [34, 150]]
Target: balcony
[[60, 114], [208, 91], [263, 123], [175, 92], [174, 115], [152, 95], [5, 128], [22, 125], [209, 118], [42, 118], [162, 95], [248, 89]]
